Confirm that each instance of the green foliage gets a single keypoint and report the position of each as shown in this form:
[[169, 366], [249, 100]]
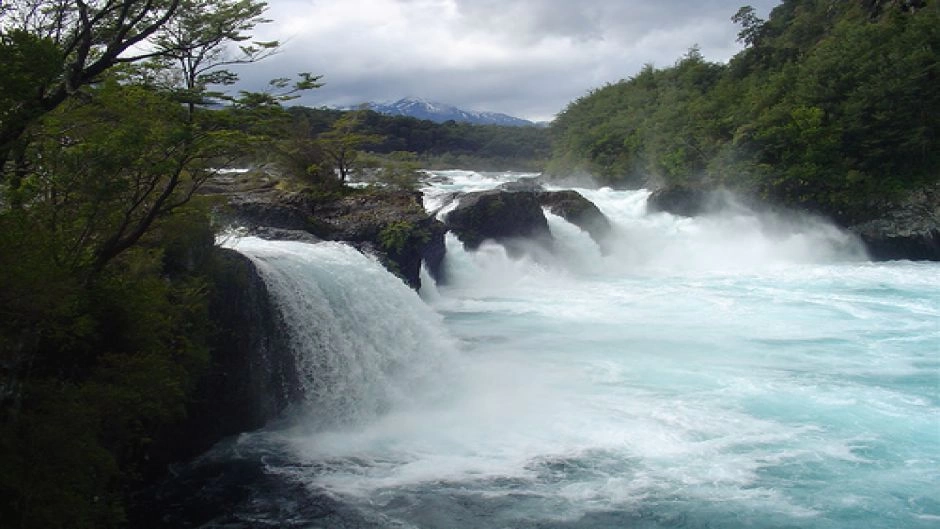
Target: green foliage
[[398, 170], [95, 373], [396, 235], [342, 143], [831, 106], [439, 145], [105, 254]]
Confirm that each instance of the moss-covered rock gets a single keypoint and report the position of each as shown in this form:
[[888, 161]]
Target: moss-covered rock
[[388, 223]]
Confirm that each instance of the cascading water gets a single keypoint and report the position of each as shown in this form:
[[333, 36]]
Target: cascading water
[[362, 340], [734, 370]]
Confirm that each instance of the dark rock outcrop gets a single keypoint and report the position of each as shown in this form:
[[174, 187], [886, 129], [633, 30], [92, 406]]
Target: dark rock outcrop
[[581, 212], [687, 201], [514, 210], [390, 224], [501, 215], [526, 184], [251, 378], [908, 230], [272, 209], [233, 487]]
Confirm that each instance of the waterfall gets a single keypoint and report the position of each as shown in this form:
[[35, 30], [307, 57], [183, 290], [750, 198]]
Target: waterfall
[[745, 368], [363, 341]]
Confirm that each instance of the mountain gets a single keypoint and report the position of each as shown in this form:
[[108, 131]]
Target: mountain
[[441, 112]]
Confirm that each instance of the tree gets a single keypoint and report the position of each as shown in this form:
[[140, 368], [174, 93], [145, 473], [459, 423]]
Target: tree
[[197, 42], [102, 320], [751, 25], [342, 142], [89, 37]]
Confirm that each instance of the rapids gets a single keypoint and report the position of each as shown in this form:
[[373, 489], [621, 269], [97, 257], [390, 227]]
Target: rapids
[[742, 369]]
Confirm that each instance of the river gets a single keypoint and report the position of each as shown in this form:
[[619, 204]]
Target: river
[[740, 369]]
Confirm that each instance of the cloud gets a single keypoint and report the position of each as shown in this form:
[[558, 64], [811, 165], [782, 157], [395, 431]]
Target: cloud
[[523, 57]]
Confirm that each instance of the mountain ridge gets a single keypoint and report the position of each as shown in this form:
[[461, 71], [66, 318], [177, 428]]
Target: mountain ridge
[[442, 112]]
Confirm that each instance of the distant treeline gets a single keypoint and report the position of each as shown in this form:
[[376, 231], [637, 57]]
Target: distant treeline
[[831, 106], [440, 145]]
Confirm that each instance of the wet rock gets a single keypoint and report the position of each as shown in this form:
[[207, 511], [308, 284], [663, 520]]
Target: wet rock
[[909, 229], [232, 487], [271, 208], [581, 212], [280, 234], [529, 184], [686, 201], [251, 376], [390, 224], [501, 215]]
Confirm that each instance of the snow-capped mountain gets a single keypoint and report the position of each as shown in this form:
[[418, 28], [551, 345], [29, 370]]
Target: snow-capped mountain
[[441, 112]]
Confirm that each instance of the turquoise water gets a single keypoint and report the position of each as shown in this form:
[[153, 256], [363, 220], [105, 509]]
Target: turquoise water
[[737, 370]]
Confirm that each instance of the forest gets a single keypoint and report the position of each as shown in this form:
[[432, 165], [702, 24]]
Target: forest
[[106, 247], [436, 145], [830, 107]]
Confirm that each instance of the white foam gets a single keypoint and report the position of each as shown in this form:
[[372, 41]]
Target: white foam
[[740, 364]]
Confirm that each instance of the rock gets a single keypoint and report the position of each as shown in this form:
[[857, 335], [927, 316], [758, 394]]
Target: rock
[[251, 377], [581, 212], [271, 208], [527, 184], [908, 230], [392, 225], [513, 211], [683, 201], [234, 487], [687, 201], [280, 234], [504, 216]]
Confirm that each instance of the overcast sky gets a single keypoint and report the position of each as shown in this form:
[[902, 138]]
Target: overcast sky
[[527, 58]]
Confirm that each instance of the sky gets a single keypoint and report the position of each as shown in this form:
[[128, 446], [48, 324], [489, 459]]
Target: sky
[[526, 58]]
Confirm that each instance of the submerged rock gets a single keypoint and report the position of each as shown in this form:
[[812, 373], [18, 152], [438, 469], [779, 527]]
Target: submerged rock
[[232, 487]]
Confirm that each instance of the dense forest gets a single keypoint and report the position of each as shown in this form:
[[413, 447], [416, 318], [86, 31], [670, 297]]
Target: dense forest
[[832, 106], [106, 249], [434, 145]]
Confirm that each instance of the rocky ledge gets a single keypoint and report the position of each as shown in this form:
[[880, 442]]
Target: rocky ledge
[[909, 230], [390, 224]]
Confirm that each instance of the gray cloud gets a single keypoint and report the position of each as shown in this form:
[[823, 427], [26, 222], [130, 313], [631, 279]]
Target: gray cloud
[[523, 57]]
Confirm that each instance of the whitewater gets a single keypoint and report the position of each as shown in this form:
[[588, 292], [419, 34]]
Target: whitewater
[[739, 369]]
